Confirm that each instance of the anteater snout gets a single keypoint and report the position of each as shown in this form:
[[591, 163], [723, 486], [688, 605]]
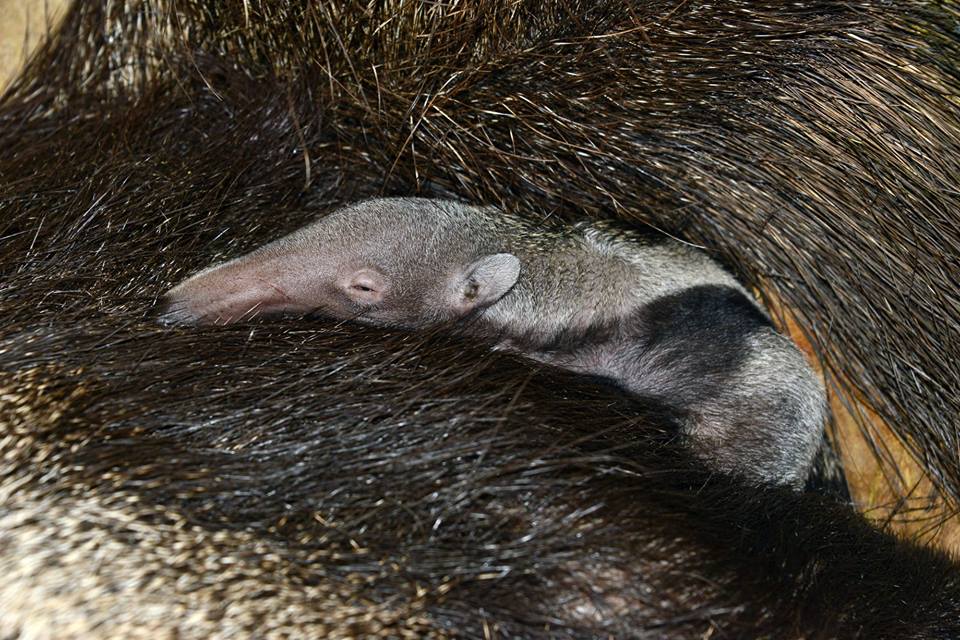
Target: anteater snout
[[172, 310]]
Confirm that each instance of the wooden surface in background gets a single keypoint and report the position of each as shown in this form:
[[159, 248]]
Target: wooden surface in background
[[22, 24]]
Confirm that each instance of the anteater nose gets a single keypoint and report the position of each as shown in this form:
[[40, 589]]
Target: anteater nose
[[172, 311]]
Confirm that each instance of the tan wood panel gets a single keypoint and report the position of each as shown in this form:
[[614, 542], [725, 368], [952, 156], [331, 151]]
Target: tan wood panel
[[22, 24]]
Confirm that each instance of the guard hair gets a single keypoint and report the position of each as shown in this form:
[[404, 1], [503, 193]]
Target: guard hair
[[320, 480]]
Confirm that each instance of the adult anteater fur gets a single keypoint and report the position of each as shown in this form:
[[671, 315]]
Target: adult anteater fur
[[656, 317], [399, 485], [322, 480]]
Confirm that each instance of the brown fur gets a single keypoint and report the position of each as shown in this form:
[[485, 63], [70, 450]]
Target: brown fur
[[811, 146]]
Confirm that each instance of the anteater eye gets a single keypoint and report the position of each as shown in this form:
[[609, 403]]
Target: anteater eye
[[360, 287]]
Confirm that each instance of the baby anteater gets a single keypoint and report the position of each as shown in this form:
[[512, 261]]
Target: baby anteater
[[659, 318]]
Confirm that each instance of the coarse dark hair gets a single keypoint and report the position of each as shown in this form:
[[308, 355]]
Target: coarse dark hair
[[317, 479]]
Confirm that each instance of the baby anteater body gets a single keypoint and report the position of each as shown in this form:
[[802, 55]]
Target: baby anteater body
[[661, 319]]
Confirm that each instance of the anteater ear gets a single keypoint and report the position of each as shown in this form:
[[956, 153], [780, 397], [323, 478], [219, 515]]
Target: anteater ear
[[484, 281]]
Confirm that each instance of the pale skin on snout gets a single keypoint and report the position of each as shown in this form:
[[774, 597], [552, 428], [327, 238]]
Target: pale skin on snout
[[660, 319]]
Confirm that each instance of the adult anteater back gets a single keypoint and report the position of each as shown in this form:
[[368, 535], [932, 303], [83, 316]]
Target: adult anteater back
[[319, 480]]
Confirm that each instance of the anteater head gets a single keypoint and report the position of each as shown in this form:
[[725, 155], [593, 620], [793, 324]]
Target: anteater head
[[406, 262]]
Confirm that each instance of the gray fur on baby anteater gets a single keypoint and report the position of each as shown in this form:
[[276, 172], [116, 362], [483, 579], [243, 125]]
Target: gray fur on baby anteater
[[659, 318]]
